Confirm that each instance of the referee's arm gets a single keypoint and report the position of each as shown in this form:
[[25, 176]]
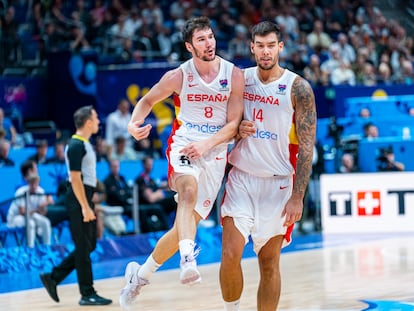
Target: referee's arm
[[79, 191]]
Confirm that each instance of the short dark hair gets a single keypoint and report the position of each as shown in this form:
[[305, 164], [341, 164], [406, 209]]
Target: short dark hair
[[120, 139], [196, 23], [368, 125], [264, 28], [26, 166], [82, 115]]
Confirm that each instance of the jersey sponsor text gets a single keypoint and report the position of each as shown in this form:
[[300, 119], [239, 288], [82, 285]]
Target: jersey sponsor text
[[204, 128]]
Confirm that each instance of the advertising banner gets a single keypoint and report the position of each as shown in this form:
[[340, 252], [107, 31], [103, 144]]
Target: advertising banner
[[370, 202]]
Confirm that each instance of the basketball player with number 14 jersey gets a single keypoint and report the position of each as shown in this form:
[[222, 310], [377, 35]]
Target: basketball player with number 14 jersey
[[271, 166]]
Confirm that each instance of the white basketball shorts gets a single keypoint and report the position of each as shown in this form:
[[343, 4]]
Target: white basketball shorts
[[256, 205], [207, 170]]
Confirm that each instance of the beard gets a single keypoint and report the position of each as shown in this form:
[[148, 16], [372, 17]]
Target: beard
[[267, 67], [204, 57]]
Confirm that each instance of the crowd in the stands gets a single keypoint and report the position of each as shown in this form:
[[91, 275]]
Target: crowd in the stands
[[329, 42]]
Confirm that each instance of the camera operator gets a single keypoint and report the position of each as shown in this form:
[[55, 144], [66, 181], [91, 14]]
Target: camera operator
[[387, 161]]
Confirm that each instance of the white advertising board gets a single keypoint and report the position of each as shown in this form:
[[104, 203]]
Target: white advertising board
[[367, 202]]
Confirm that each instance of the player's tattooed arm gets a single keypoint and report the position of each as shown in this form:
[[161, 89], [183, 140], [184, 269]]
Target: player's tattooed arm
[[305, 120]]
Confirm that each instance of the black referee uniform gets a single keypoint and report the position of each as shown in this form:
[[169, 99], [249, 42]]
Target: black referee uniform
[[80, 156]]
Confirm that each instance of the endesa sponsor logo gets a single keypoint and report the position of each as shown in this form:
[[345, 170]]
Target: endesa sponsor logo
[[260, 134], [203, 128], [207, 98], [269, 100]]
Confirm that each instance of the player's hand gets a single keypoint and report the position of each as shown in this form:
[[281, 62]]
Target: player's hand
[[195, 150], [137, 131], [246, 128], [88, 214], [293, 211]]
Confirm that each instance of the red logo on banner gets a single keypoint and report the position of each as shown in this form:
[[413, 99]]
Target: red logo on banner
[[369, 203]]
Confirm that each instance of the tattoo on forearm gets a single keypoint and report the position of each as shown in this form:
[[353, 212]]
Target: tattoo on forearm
[[305, 117]]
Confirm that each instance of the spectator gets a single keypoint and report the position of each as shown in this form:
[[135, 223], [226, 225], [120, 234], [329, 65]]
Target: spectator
[[78, 42], [4, 154], [39, 224], [10, 39], [346, 51], [387, 162], [296, 63], [178, 50], [59, 154], [343, 75], [41, 152], [347, 164], [287, 18], [370, 131], [152, 192], [319, 38], [239, 46], [117, 33], [57, 211], [118, 192], [117, 122], [52, 39], [102, 149], [406, 74], [365, 113], [121, 151], [332, 63], [313, 72], [27, 168], [7, 125], [144, 148], [384, 74], [134, 21], [98, 199], [368, 75], [162, 36]]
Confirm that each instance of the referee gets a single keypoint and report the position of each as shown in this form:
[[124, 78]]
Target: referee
[[81, 164]]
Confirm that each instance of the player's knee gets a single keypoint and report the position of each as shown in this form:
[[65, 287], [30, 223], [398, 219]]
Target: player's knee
[[188, 196], [231, 255]]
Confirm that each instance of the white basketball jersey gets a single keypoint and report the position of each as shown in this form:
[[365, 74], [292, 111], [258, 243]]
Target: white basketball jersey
[[272, 150], [201, 108]]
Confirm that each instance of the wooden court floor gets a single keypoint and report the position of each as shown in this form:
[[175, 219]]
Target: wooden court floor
[[329, 278]]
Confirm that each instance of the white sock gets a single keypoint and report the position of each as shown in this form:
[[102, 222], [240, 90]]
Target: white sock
[[186, 247], [232, 306], [148, 268]]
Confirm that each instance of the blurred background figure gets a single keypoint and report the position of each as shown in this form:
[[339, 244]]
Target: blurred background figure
[[7, 125], [4, 154], [348, 164], [102, 149], [370, 130], [39, 224], [153, 192], [58, 156], [40, 157], [121, 151], [117, 123], [387, 162], [118, 192]]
